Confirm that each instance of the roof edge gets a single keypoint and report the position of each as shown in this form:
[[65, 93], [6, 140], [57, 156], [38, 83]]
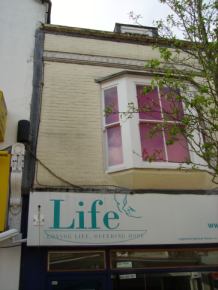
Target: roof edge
[[106, 35], [126, 72]]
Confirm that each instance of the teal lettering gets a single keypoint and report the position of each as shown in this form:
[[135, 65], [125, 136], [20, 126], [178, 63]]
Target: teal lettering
[[110, 215], [57, 215], [213, 226], [57, 211], [109, 219], [94, 212], [81, 217]]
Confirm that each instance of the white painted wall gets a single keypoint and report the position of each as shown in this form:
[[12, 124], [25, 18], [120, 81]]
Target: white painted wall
[[19, 20], [10, 268], [18, 23]]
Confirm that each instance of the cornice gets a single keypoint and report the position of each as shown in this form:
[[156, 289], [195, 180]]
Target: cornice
[[106, 35], [137, 64]]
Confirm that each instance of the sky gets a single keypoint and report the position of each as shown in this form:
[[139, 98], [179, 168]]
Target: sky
[[103, 14]]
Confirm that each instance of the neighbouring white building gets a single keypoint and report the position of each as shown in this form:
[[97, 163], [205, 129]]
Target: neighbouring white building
[[18, 23]]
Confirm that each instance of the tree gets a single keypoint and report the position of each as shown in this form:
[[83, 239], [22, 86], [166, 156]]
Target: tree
[[190, 68]]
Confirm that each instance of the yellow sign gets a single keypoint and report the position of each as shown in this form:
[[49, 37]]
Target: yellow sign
[[4, 187]]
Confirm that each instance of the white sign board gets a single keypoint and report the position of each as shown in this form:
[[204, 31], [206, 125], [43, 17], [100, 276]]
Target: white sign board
[[69, 219]]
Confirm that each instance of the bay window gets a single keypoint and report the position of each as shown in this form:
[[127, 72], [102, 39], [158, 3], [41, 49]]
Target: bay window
[[152, 137], [160, 113], [112, 127]]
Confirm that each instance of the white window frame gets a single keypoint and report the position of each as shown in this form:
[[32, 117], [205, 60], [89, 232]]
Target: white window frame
[[130, 134]]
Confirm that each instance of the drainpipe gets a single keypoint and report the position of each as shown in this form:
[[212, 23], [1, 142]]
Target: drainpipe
[[49, 10]]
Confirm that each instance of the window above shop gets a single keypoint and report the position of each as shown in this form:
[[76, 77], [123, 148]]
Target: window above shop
[[76, 261], [136, 29], [145, 138], [165, 258], [131, 259]]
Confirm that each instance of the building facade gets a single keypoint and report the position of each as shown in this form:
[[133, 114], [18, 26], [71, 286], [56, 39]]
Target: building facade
[[101, 214], [18, 23]]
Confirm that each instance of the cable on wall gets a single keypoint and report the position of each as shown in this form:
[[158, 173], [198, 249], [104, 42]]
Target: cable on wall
[[81, 188], [52, 172]]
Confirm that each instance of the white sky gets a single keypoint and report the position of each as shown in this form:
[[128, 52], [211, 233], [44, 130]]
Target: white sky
[[103, 14]]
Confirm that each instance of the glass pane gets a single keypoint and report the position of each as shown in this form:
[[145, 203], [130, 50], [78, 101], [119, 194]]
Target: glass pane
[[111, 105], [115, 151], [177, 146], [178, 283], [152, 145], [154, 283], [148, 104], [69, 261], [171, 106], [139, 259]]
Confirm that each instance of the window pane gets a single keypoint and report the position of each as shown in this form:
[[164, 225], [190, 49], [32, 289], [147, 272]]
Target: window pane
[[111, 105], [123, 259], [172, 107], [177, 147], [115, 152], [152, 146], [69, 261], [148, 104]]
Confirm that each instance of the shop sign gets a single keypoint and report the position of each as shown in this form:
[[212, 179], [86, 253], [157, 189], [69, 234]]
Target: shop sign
[[61, 218]]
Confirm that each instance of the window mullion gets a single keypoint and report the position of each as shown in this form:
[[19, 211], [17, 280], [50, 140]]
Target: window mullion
[[165, 144], [163, 132], [106, 126]]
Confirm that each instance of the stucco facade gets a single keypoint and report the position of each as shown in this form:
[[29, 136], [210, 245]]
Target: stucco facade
[[70, 140]]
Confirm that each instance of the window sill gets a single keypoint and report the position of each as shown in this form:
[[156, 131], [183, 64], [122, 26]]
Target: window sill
[[153, 165], [117, 168]]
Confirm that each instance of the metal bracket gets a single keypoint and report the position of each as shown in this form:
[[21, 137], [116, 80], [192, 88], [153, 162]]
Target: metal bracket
[[38, 220], [17, 159], [17, 164]]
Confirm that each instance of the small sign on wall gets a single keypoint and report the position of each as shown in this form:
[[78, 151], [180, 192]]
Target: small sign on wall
[[124, 264], [127, 276]]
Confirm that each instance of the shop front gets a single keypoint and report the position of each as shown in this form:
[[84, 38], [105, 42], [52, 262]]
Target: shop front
[[86, 241], [132, 269]]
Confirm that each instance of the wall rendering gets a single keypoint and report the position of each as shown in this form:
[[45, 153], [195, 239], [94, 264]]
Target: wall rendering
[[71, 138]]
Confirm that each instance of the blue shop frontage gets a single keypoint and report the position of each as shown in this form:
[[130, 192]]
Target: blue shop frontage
[[100, 241]]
